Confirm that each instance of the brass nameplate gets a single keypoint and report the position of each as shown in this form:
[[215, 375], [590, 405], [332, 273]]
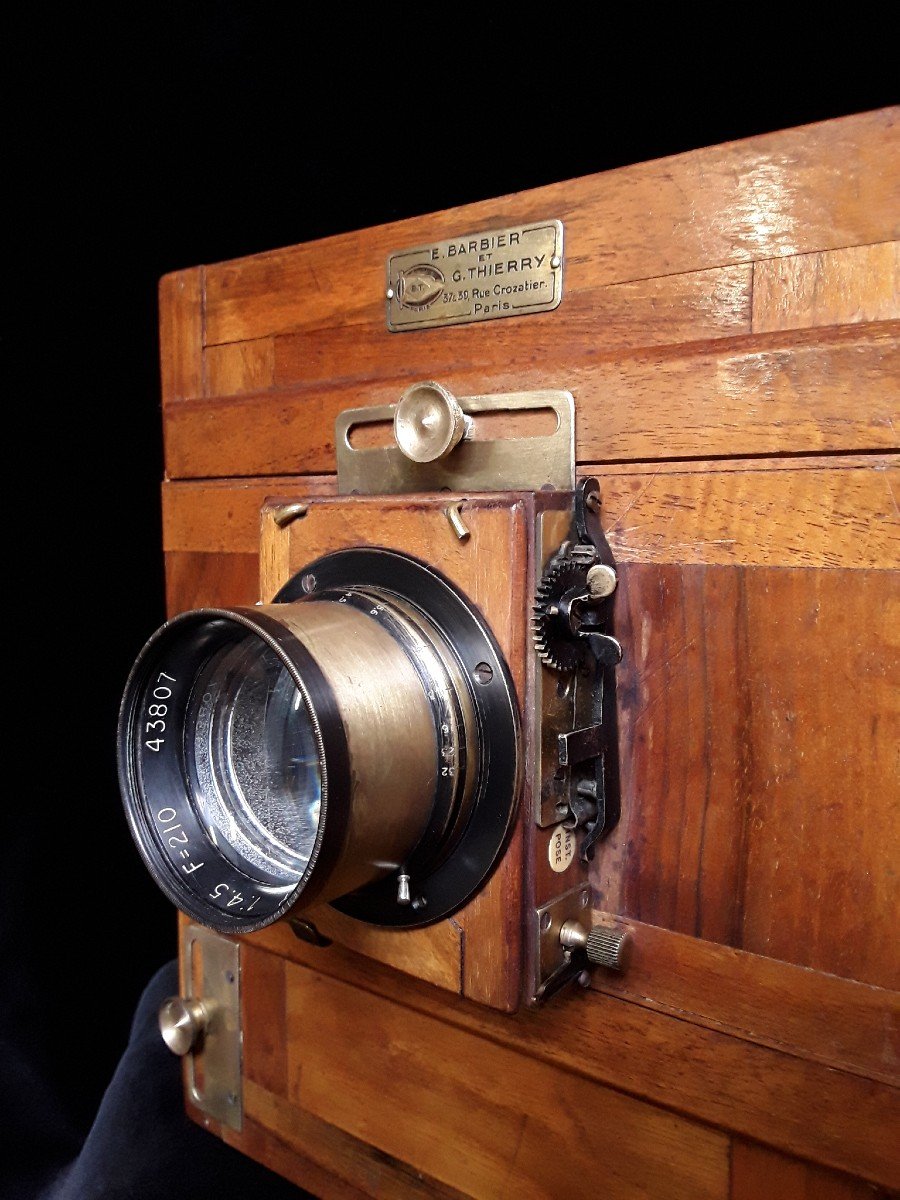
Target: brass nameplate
[[477, 277]]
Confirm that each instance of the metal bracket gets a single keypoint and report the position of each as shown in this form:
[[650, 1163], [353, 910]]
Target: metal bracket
[[579, 774], [578, 783], [477, 463], [211, 972], [556, 965]]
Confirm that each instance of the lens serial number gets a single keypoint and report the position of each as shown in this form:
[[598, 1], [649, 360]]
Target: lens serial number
[[157, 711]]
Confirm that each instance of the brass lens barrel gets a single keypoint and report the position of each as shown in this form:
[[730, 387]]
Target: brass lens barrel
[[391, 725], [321, 747]]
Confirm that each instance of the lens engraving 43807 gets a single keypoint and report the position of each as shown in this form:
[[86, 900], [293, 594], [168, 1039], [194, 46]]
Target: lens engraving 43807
[[158, 710]]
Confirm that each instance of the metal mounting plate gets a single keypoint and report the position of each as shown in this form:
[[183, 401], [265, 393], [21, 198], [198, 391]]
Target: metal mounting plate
[[546, 924], [478, 464], [211, 972]]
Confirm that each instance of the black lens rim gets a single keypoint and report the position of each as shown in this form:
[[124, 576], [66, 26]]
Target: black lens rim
[[445, 888], [159, 782]]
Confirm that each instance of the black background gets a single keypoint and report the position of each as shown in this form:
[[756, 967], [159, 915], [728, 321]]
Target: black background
[[150, 141]]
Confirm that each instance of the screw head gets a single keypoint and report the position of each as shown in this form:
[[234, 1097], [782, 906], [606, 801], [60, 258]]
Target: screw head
[[389, 294], [555, 261]]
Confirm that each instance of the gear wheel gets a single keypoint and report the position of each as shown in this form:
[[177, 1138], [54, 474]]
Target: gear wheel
[[555, 645]]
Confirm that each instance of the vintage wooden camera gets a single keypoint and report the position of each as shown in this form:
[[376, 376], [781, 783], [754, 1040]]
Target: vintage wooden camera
[[518, 752]]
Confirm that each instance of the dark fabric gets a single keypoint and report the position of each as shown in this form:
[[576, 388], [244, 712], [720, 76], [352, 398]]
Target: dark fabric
[[141, 1145]]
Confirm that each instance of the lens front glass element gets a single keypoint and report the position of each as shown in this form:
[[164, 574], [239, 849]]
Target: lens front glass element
[[252, 761]]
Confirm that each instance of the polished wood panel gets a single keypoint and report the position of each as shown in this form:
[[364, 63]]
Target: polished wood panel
[[695, 307], [824, 690], [240, 367], [424, 1091], [757, 720], [269, 1145], [827, 513], [434, 954], [223, 516], [781, 1099], [201, 579], [758, 1173], [836, 287], [313, 1154], [323, 1158], [181, 334], [798, 191], [774, 395], [264, 1020], [815, 512], [833, 1021]]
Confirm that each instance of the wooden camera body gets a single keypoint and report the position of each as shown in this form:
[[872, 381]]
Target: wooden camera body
[[726, 325]]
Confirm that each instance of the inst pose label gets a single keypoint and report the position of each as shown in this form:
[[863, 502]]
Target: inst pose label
[[476, 277], [561, 850]]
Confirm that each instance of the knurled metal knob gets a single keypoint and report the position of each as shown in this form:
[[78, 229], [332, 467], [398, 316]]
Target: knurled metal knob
[[603, 945], [607, 947], [182, 1023]]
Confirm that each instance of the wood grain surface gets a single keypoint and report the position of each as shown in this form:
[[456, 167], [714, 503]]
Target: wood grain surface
[[758, 718], [818, 188], [240, 367], [698, 306], [424, 1092], [781, 1099], [198, 579], [834, 287], [811, 1014], [758, 1173], [773, 394], [817, 512], [181, 334]]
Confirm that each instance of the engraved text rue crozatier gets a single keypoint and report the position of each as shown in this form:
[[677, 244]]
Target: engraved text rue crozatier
[[476, 277]]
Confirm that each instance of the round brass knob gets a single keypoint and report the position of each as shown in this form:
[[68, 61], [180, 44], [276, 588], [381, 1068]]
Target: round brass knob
[[182, 1023], [428, 422], [601, 580]]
